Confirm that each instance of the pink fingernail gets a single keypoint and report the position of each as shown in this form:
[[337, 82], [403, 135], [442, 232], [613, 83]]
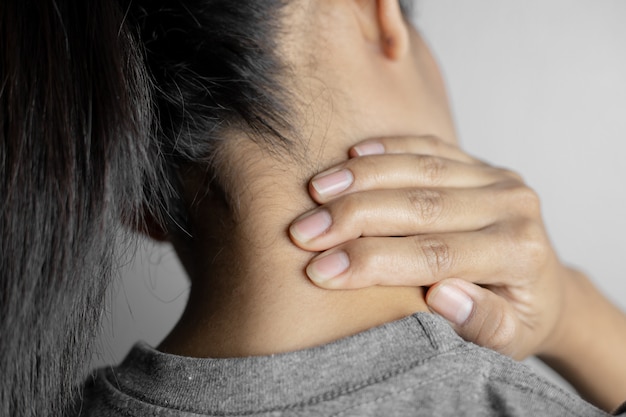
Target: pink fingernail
[[371, 148], [311, 226], [334, 183], [328, 267], [452, 304]]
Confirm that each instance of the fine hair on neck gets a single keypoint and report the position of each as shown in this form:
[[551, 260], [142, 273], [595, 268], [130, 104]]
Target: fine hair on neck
[[102, 104]]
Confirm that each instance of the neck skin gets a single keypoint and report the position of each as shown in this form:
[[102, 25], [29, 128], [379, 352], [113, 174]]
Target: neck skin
[[249, 292]]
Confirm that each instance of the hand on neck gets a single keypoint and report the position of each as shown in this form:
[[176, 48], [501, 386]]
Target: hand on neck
[[250, 294]]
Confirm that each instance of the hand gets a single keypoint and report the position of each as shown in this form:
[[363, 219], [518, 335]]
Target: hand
[[415, 211]]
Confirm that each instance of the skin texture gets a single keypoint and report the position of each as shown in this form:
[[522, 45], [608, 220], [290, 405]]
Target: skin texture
[[434, 216], [250, 294], [461, 218], [376, 79], [419, 211]]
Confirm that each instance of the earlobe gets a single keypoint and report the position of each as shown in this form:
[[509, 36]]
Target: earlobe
[[394, 31]]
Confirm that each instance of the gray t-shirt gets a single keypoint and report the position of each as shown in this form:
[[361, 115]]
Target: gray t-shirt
[[416, 366]]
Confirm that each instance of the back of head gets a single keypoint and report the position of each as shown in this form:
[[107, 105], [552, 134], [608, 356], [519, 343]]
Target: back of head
[[102, 103], [88, 145], [215, 68]]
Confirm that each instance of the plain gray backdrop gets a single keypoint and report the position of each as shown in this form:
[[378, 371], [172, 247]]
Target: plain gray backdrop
[[538, 86]]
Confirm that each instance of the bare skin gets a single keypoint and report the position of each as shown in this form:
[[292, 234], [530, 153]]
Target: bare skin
[[466, 223], [250, 294], [461, 218], [376, 78]]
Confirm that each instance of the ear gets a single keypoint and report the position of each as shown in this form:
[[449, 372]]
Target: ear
[[394, 29], [382, 21]]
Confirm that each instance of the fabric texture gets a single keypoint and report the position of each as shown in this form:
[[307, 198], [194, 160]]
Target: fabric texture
[[416, 366]]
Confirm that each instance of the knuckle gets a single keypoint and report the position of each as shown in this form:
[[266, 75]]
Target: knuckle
[[364, 254], [365, 169], [512, 174], [427, 204], [515, 175], [346, 207], [349, 214], [527, 199], [532, 242], [365, 260], [436, 255], [431, 169]]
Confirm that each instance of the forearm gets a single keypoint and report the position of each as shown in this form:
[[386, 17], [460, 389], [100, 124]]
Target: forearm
[[589, 347]]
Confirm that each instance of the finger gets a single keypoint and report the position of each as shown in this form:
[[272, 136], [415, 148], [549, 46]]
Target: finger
[[401, 212], [418, 145], [402, 171], [414, 261], [478, 315]]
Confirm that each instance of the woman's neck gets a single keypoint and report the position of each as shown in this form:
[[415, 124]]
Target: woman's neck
[[250, 295]]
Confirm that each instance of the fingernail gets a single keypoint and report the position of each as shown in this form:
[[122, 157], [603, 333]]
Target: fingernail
[[328, 267], [371, 148], [311, 226], [334, 183], [452, 304]]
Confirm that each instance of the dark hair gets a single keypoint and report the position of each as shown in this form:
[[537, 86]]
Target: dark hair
[[74, 158], [214, 66], [101, 103], [88, 145]]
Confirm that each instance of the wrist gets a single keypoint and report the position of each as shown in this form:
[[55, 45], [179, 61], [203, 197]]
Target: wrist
[[576, 306], [586, 347]]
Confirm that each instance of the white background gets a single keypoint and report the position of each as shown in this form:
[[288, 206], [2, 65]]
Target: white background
[[538, 86]]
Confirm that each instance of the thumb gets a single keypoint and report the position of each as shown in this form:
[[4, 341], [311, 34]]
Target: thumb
[[478, 315]]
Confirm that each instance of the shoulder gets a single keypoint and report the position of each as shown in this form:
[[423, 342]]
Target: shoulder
[[103, 396], [470, 380]]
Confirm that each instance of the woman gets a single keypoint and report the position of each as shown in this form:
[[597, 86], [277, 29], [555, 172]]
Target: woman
[[249, 297], [241, 130]]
